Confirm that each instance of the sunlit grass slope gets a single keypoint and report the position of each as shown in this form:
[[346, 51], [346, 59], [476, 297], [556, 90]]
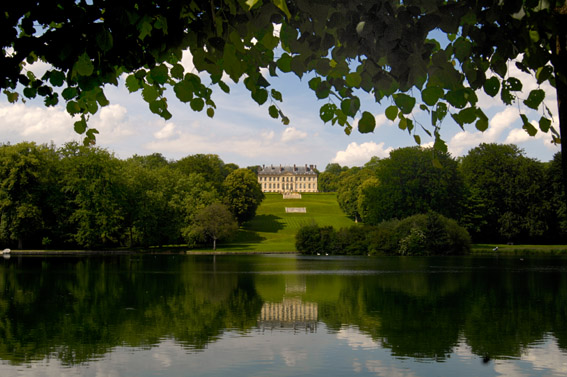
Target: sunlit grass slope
[[274, 230]]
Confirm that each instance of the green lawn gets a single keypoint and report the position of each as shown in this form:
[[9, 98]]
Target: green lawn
[[519, 249], [274, 230]]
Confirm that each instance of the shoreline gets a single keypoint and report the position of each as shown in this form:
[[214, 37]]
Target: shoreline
[[139, 252]]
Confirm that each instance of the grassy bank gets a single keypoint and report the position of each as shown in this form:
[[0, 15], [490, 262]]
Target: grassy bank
[[490, 249], [273, 230]]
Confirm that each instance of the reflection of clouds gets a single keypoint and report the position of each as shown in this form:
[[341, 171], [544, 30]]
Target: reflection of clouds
[[356, 339], [376, 366], [291, 357], [548, 356], [163, 358]]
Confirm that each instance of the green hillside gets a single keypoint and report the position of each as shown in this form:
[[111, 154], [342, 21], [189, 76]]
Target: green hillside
[[274, 230]]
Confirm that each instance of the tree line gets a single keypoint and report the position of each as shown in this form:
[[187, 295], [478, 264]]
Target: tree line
[[86, 197], [495, 191]]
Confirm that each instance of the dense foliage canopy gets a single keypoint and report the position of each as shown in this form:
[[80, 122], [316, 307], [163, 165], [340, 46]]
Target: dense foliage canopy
[[77, 196], [495, 191], [383, 47]]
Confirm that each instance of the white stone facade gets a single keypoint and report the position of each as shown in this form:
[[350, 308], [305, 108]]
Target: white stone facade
[[288, 178]]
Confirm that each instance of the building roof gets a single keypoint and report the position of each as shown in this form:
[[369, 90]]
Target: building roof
[[277, 170]]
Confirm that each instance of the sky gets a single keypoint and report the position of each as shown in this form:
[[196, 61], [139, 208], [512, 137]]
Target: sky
[[242, 132]]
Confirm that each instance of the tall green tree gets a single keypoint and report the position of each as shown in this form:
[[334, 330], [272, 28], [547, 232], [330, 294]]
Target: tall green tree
[[210, 166], [510, 187], [242, 194], [347, 194], [415, 180], [92, 181], [25, 178], [328, 181], [214, 222]]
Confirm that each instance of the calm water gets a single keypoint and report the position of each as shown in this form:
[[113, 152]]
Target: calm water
[[283, 316]]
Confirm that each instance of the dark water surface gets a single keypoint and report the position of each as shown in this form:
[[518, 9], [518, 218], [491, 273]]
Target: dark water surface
[[283, 316]]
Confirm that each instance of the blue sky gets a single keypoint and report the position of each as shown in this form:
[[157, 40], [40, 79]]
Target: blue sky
[[243, 133]]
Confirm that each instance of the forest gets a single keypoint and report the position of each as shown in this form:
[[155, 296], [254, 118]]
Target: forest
[[495, 192], [85, 197]]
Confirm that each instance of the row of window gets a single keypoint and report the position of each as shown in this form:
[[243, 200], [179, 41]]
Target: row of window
[[286, 179], [287, 186]]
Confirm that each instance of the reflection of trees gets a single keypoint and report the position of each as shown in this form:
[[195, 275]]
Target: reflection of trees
[[79, 309], [424, 313]]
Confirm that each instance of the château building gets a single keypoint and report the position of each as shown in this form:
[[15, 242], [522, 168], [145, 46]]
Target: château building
[[288, 178]]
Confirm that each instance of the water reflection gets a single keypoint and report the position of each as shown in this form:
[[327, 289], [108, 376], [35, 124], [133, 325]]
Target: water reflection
[[283, 315]]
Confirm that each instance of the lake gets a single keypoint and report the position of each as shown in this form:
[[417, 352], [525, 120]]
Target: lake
[[283, 315]]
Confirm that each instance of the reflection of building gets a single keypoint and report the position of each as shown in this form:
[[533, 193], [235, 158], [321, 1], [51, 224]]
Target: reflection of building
[[292, 313], [288, 178]]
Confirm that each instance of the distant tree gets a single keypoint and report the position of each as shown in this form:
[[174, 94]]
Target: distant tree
[[511, 188], [210, 166], [94, 186], [347, 194], [25, 178], [556, 199], [368, 198], [243, 194], [213, 223], [328, 181], [416, 180], [152, 161]]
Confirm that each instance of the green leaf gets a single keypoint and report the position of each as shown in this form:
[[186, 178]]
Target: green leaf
[[367, 123], [251, 3], [177, 71], [184, 91], [417, 139], [392, 112], [277, 96], [431, 95], [327, 112], [150, 93], [225, 88], [197, 104], [284, 63], [101, 99], [492, 86], [12, 96], [210, 112], [260, 96], [544, 124], [104, 40], [481, 124], [403, 124], [281, 4], [544, 73], [353, 80], [514, 84], [404, 102], [350, 106], [457, 98], [314, 83], [468, 115], [535, 99], [159, 74], [84, 66], [273, 111], [69, 93], [285, 121], [323, 90], [528, 127], [73, 107], [132, 83], [80, 126], [56, 78]]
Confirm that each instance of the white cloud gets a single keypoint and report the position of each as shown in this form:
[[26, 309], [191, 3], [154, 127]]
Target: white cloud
[[359, 154], [24, 122], [464, 140], [168, 131], [292, 134]]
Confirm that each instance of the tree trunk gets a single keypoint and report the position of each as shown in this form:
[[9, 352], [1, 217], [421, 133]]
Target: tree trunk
[[214, 243], [560, 67], [20, 243]]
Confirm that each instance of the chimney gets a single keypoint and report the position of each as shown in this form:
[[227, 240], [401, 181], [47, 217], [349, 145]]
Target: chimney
[[263, 166], [294, 168]]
